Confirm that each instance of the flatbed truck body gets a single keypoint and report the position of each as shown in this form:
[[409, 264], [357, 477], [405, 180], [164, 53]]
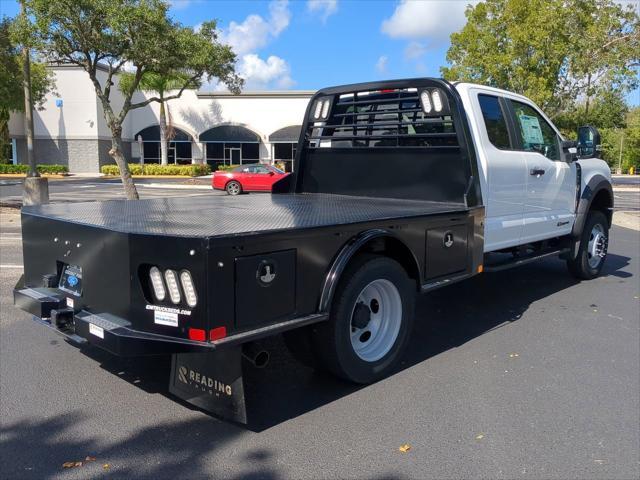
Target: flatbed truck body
[[388, 198]]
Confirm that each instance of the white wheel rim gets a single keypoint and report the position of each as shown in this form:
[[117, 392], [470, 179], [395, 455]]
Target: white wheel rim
[[374, 341], [233, 188], [597, 246]]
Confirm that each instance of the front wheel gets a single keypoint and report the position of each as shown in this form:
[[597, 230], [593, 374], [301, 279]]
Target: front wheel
[[592, 252], [233, 188], [370, 322]]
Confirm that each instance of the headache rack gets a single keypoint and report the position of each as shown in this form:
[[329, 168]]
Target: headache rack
[[385, 118]]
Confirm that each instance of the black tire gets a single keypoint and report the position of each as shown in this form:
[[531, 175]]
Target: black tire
[[331, 340], [583, 266], [233, 188]]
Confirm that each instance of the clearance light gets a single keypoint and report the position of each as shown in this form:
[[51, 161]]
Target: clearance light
[[217, 333], [426, 102], [172, 285], [157, 284], [197, 334], [437, 100], [318, 110], [187, 287], [325, 109]]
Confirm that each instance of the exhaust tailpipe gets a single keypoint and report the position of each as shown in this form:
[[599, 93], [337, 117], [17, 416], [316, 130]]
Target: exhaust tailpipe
[[255, 355]]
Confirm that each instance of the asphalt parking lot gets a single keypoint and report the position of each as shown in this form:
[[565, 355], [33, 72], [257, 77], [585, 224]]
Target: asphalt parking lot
[[83, 189], [520, 374]]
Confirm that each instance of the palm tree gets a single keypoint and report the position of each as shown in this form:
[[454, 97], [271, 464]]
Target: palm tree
[[160, 84]]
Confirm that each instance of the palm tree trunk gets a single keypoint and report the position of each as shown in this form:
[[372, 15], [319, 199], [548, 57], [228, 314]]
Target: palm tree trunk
[[164, 154]]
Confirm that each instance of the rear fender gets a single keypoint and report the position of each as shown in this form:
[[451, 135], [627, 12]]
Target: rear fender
[[344, 257]]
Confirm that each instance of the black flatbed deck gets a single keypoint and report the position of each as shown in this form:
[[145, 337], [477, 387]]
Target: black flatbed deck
[[218, 216]]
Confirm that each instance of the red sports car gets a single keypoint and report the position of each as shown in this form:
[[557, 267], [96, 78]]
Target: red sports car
[[247, 178]]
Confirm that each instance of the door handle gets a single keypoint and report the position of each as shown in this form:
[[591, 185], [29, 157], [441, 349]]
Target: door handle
[[536, 171]]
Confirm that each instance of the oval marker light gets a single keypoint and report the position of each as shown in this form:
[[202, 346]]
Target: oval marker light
[[426, 102], [318, 110], [325, 109], [187, 287], [437, 100], [157, 283], [172, 285]]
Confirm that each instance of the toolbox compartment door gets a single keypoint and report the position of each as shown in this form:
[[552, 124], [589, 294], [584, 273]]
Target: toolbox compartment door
[[446, 250], [265, 288]]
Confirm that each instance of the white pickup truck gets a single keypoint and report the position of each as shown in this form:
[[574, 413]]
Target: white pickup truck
[[398, 188]]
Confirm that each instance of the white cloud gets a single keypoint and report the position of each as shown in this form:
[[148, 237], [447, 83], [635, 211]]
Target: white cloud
[[259, 74], [381, 64], [414, 50], [325, 8], [432, 21], [255, 32], [180, 4]]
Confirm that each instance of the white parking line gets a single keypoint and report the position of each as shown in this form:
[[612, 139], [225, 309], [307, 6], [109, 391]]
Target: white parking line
[[10, 265]]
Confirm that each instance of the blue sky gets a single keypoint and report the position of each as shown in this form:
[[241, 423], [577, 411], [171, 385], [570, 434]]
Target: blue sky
[[309, 44]]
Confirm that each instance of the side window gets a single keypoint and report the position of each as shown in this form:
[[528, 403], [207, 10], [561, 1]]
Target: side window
[[537, 134], [494, 121]]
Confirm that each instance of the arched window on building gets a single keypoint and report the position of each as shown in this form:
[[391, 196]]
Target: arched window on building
[[179, 146], [230, 145], [283, 145]]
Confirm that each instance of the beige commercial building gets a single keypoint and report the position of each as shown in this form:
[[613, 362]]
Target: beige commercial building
[[211, 127]]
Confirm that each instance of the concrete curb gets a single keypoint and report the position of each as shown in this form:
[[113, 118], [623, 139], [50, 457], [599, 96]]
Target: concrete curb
[[169, 186]]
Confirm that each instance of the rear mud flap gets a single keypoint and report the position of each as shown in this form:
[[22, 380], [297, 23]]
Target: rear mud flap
[[211, 381]]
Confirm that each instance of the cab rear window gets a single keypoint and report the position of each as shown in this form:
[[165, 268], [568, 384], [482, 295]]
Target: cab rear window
[[494, 121]]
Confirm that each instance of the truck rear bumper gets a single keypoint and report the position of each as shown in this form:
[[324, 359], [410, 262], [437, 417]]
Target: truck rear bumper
[[106, 331], [115, 334]]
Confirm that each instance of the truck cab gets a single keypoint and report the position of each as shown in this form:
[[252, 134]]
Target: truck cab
[[529, 181]]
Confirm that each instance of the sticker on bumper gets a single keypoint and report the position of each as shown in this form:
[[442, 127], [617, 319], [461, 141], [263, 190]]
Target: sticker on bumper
[[165, 318], [96, 330]]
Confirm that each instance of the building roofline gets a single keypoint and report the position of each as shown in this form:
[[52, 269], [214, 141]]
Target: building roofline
[[73, 66], [259, 94]]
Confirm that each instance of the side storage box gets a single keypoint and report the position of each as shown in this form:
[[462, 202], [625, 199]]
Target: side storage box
[[265, 289], [446, 250]]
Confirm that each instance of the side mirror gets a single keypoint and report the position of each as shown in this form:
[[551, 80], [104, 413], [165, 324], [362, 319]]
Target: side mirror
[[588, 142]]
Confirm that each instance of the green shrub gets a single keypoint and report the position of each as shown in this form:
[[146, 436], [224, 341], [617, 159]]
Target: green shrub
[[226, 168], [9, 168], [51, 169], [193, 170]]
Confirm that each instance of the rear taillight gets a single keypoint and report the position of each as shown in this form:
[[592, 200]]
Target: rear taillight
[[178, 289], [172, 284], [157, 284], [187, 287]]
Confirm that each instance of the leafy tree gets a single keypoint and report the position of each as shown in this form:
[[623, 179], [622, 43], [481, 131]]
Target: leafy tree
[[621, 146], [556, 52], [161, 84], [607, 110], [11, 88], [111, 33]]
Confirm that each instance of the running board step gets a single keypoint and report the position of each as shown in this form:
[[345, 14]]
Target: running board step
[[523, 260]]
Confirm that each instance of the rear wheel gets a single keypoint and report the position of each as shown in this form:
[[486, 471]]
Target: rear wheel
[[233, 188], [592, 252], [371, 318]]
